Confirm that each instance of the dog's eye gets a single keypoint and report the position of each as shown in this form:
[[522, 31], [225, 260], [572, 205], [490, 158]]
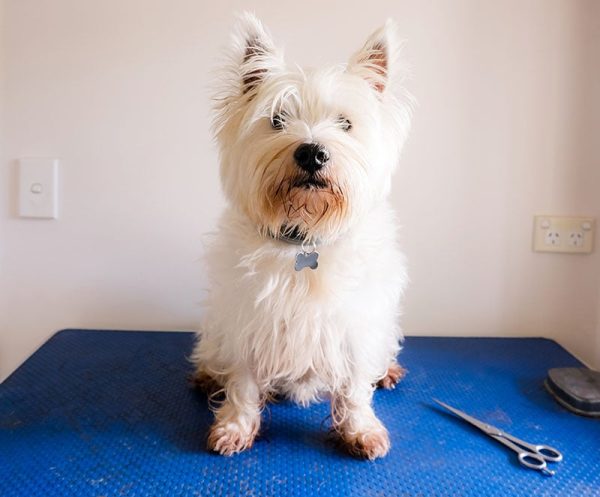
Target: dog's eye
[[344, 123], [278, 122]]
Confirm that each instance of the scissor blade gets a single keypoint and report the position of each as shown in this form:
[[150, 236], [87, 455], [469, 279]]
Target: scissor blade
[[489, 429]]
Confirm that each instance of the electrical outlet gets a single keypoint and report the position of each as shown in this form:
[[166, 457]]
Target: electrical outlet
[[576, 238], [573, 235], [552, 238]]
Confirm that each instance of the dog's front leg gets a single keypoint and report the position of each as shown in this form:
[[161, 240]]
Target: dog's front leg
[[237, 419], [359, 429]]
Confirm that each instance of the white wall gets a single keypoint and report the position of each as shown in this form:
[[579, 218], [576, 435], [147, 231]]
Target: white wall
[[592, 102], [117, 89]]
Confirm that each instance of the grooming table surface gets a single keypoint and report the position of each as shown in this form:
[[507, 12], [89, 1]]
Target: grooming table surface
[[107, 413]]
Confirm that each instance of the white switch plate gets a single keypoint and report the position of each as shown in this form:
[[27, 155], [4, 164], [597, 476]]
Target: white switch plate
[[573, 235], [38, 188]]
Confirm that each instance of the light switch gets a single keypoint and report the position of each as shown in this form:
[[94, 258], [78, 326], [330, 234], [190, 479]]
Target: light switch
[[38, 188]]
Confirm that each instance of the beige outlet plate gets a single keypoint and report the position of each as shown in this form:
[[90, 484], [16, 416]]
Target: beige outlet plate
[[571, 235]]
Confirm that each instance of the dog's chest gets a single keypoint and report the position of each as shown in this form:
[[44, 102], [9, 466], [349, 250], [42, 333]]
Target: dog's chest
[[295, 278], [300, 318]]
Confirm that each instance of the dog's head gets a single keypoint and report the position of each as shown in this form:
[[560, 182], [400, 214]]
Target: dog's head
[[309, 151]]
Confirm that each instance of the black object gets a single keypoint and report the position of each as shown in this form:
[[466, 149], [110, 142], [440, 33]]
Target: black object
[[311, 157], [577, 389]]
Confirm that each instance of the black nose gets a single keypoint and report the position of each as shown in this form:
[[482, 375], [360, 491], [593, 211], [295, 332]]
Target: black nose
[[311, 157]]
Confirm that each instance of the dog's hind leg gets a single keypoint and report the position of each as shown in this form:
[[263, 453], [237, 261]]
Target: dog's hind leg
[[392, 377], [204, 381]]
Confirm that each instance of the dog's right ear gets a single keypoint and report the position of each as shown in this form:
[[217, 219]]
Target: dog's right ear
[[254, 52]]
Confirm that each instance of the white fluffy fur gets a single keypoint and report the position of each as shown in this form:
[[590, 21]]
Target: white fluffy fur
[[330, 332]]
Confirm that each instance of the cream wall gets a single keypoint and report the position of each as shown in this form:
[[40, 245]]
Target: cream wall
[[117, 89]]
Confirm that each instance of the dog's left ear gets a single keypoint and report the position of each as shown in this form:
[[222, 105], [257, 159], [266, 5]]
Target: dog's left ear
[[376, 61]]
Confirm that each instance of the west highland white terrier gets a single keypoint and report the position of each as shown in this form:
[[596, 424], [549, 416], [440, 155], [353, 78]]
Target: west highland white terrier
[[305, 272]]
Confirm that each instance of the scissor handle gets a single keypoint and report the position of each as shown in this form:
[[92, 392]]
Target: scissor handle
[[530, 456], [548, 453], [544, 451], [534, 461]]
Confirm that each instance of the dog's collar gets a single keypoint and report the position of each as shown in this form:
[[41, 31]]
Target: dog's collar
[[294, 237]]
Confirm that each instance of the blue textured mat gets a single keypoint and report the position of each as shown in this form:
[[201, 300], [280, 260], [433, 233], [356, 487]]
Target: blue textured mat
[[101, 413]]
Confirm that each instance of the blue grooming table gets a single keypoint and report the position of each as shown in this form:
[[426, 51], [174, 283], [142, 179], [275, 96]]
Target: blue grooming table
[[110, 413]]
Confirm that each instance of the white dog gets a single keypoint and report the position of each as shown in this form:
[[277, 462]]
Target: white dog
[[306, 276]]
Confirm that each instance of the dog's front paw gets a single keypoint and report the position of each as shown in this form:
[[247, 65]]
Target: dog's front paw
[[228, 438], [369, 444]]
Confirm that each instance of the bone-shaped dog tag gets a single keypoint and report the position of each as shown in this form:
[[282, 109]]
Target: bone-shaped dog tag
[[307, 259]]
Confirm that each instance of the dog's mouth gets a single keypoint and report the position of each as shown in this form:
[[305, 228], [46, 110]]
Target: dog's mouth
[[310, 183]]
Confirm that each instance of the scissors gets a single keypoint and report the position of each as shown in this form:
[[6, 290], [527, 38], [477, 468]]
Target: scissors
[[531, 456]]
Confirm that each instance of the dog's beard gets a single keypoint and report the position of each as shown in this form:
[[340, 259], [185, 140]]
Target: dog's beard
[[314, 204]]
